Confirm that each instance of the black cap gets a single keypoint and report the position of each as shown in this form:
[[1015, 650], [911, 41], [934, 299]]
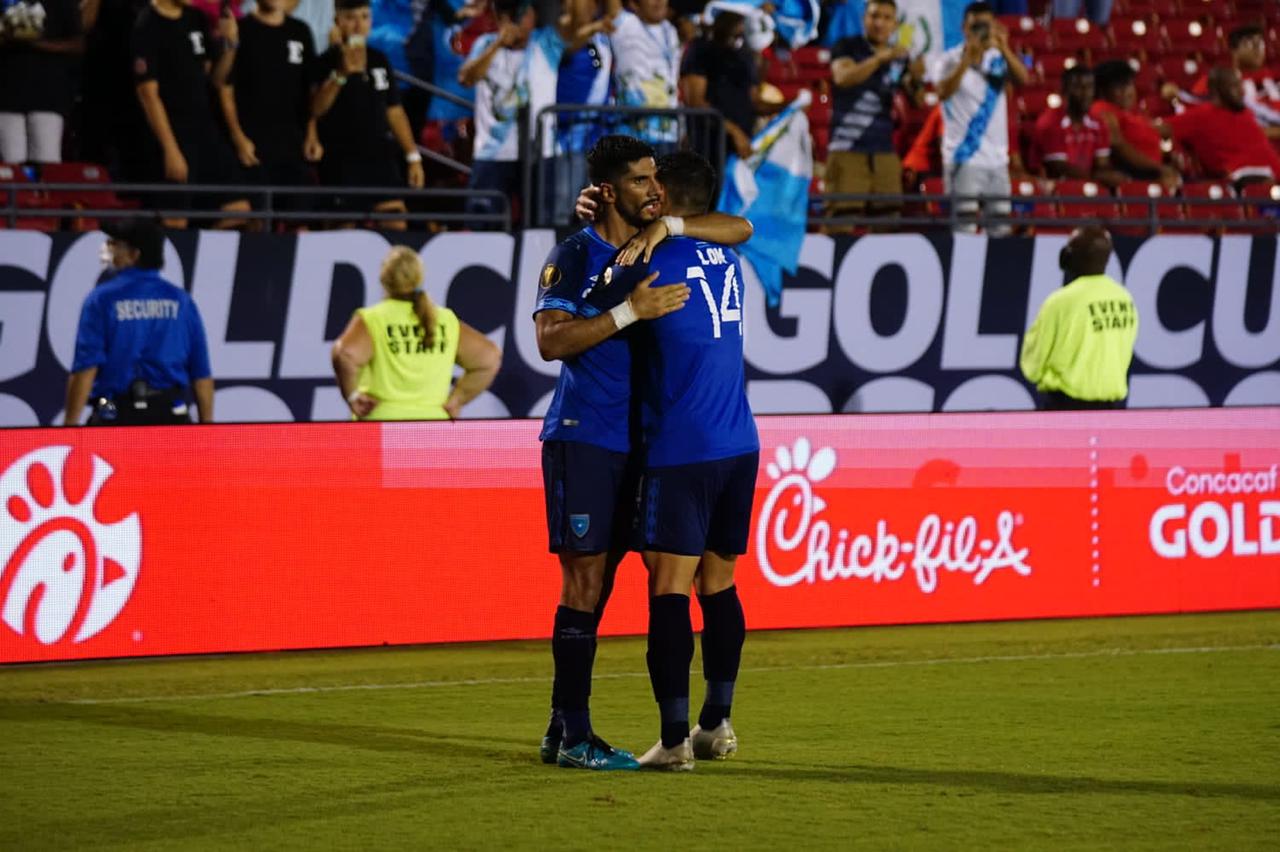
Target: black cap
[[142, 234]]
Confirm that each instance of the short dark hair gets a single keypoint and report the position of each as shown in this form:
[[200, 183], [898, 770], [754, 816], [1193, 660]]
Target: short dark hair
[[978, 7], [1109, 76], [344, 5], [1075, 72], [511, 8], [689, 180], [892, 3], [1239, 34], [609, 159]]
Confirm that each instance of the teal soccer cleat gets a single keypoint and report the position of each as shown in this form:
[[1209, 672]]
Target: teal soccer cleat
[[595, 753]]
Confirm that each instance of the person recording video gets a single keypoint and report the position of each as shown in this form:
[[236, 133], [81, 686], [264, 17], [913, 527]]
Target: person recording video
[[972, 80]]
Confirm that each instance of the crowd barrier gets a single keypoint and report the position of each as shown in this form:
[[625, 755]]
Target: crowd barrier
[[888, 322], [150, 540]]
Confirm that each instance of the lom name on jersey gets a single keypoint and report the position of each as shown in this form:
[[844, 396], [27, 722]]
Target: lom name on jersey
[[712, 256], [144, 309]]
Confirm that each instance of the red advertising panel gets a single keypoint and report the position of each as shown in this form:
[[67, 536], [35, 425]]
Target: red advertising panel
[[129, 542]]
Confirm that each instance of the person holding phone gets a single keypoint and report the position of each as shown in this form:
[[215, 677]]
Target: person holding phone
[[972, 79], [362, 128]]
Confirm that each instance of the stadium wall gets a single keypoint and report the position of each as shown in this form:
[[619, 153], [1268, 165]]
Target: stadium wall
[[901, 322], [248, 537]]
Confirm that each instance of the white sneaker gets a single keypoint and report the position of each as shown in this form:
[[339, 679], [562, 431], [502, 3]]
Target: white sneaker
[[676, 759], [720, 743]]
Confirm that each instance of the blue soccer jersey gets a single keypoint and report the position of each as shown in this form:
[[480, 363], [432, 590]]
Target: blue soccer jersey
[[693, 393], [592, 400], [139, 326]]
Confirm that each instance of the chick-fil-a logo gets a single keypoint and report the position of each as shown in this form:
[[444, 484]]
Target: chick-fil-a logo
[[789, 523], [63, 570]]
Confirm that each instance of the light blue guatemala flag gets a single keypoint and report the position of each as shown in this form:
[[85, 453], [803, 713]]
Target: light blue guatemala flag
[[771, 188], [797, 21]]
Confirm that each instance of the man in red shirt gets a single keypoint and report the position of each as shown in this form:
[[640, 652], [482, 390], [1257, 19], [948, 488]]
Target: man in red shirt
[[1261, 84], [1223, 134], [1070, 142], [1135, 141]]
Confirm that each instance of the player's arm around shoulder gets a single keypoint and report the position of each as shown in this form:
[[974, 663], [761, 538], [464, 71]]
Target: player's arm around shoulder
[[711, 227]]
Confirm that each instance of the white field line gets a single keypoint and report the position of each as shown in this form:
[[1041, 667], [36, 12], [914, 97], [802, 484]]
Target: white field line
[[498, 681]]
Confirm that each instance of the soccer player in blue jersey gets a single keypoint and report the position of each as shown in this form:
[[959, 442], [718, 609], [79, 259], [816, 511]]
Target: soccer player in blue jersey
[[702, 456], [588, 477]]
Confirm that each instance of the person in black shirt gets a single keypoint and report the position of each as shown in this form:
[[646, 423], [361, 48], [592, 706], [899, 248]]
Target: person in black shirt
[[866, 70], [266, 100], [720, 71], [38, 43], [171, 67], [356, 104]]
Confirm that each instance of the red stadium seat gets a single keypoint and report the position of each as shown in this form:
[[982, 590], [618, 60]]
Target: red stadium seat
[[1026, 35], [1097, 204], [1264, 200], [1167, 212], [1050, 66], [1159, 8], [26, 200], [1191, 36], [1140, 35], [82, 199], [812, 56], [1038, 202], [1215, 191], [1070, 36], [821, 139], [820, 110], [1182, 71], [935, 186], [1034, 100]]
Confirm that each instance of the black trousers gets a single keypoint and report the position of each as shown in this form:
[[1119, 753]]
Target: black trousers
[[156, 409], [1059, 401]]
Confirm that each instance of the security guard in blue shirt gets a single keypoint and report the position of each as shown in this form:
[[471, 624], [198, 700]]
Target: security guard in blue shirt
[[140, 344]]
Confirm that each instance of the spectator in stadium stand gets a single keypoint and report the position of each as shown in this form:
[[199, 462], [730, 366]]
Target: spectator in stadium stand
[[1078, 350], [140, 344], [1098, 11], [1248, 46], [1069, 141], [1223, 135], [720, 72], [866, 71], [112, 129], [513, 69], [646, 67], [1135, 140], [39, 43], [266, 100], [972, 79], [585, 77], [364, 132], [395, 359], [172, 62]]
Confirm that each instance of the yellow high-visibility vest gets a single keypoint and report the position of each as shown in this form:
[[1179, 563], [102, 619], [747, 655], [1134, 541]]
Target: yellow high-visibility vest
[[410, 379]]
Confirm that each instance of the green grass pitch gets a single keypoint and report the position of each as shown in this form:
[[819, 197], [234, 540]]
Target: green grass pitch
[[1136, 733]]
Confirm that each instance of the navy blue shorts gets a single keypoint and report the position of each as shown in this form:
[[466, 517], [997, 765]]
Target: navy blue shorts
[[691, 508], [591, 495]]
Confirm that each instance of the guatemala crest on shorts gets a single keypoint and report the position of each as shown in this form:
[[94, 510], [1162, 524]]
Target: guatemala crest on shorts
[[579, 524]]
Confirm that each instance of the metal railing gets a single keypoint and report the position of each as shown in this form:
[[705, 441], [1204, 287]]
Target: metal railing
[[913, 212], [264, 200], [552, 176], [437, 92]]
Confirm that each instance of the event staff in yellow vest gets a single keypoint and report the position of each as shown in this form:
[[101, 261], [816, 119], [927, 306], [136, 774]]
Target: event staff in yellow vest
[[140, 344], [1078, 350], [395, 359]]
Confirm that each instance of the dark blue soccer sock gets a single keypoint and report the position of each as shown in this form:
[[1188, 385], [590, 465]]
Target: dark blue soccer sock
[[573, 647], [669, 656], [724, 630]]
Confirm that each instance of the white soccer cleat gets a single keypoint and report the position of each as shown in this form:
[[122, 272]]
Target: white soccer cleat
[[676, 759], [719, 743]]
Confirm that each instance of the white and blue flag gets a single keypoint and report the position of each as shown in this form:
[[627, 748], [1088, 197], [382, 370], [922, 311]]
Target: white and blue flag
[[771, 188]]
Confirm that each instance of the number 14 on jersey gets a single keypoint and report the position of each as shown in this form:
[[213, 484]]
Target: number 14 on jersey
[[729, 306]]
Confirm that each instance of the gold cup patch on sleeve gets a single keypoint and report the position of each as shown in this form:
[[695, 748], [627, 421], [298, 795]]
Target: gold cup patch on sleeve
[[550, 276]]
